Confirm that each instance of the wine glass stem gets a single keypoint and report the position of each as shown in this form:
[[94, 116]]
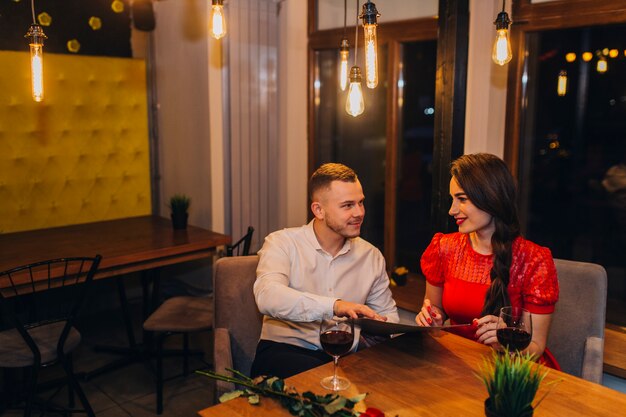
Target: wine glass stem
[[336, 362]]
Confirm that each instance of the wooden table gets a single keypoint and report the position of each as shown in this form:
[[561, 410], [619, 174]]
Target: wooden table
[[126, 245], [432, 375], [614, 352], [136, 244]]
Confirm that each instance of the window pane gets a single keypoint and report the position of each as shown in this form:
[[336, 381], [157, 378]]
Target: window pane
[[416, 92], [358, 142], [573, 188]]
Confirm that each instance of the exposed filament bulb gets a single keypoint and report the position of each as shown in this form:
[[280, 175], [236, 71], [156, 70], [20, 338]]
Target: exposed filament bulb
[[344, 53], [355, 105], [370, 16], [371, 56], [218, 21], [502, 52], [36, 37]]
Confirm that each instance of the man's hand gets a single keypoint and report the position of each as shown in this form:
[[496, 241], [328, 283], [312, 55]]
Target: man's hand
[[347, 309]]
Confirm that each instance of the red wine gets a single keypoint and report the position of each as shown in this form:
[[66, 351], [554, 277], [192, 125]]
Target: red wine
[[513, 338], [336, 342]]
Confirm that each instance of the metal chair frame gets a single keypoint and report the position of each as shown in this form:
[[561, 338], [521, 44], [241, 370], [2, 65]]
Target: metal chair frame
[[23, 291], [246, 240]]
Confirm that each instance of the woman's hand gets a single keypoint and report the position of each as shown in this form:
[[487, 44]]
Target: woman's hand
[[486, 332], [429, 315]]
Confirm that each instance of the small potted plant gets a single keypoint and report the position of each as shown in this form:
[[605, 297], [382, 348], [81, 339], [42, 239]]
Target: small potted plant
[[399, 275], [179, 206], [512, 380]]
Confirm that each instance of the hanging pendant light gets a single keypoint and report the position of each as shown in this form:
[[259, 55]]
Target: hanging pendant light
[[35, 38], [561, 87], [355, 105], [502, 46], [344, 51], [370, 16], [218, 21]]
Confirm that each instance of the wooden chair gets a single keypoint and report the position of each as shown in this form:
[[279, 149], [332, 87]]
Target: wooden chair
[[576, 336], [237, 324], [184, 314], [40, 302]]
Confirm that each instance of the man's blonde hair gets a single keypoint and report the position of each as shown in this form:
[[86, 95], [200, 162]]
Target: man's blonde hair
[[327, 173]]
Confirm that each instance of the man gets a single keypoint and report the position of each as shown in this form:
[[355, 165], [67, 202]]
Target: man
[[317, 271]]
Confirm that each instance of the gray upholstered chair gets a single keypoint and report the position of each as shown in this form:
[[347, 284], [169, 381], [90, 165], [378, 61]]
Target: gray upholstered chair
[[238, 322], [576, 335]]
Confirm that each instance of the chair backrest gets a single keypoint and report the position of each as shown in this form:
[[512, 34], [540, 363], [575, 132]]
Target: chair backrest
[[242, 246], [576, 335], [45, 292], [236, 309]]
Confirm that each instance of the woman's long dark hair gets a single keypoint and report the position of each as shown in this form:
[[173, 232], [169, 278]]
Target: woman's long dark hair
[[489, 185]]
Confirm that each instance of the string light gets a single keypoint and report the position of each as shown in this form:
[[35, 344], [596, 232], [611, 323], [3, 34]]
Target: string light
[[502, 52], [561, 88], [369, 16], [35, 38], [602, 66], [218, 21], [355, 105]]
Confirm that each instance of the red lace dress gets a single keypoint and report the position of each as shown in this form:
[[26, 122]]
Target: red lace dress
[[451, 262]]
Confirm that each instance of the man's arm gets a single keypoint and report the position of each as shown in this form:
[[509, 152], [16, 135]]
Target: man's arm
[[274, 296], [380, 298]]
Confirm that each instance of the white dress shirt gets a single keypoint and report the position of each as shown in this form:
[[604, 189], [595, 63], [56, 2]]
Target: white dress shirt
[[298, 283]]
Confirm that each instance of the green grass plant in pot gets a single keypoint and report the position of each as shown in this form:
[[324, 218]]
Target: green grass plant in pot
[[179, 206], [512, 380]]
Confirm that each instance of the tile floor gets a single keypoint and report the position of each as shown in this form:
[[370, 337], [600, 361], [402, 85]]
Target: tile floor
[[130, 391]]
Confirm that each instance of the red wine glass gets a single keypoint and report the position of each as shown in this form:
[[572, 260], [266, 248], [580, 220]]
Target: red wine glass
[[336, 337], [515, 328]]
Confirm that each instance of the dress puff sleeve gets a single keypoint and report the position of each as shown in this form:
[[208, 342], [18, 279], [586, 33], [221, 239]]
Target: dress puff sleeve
[[541, 287], [431, 262]]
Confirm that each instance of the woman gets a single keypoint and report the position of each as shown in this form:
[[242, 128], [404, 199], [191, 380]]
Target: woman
[[487, 264]]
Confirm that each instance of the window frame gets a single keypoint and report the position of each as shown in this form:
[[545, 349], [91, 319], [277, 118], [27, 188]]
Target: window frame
[[531, 17], [393, 34]]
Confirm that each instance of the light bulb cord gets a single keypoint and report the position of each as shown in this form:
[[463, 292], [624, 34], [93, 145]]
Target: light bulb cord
[[32, 8], [345, 17], [356, 33]]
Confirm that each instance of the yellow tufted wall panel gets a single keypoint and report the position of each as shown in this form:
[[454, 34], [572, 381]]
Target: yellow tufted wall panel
[[81, 155]]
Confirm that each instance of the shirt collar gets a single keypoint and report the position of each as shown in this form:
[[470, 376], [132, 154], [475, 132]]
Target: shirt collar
[[310, 236]]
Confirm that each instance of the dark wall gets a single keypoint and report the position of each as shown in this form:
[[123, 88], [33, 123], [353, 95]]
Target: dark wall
[[70, 20]]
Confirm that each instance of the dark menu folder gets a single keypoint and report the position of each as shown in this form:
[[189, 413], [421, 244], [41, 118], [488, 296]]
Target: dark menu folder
[[383, 327]]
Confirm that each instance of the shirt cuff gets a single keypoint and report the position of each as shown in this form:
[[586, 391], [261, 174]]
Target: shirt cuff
[[330, 308]]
